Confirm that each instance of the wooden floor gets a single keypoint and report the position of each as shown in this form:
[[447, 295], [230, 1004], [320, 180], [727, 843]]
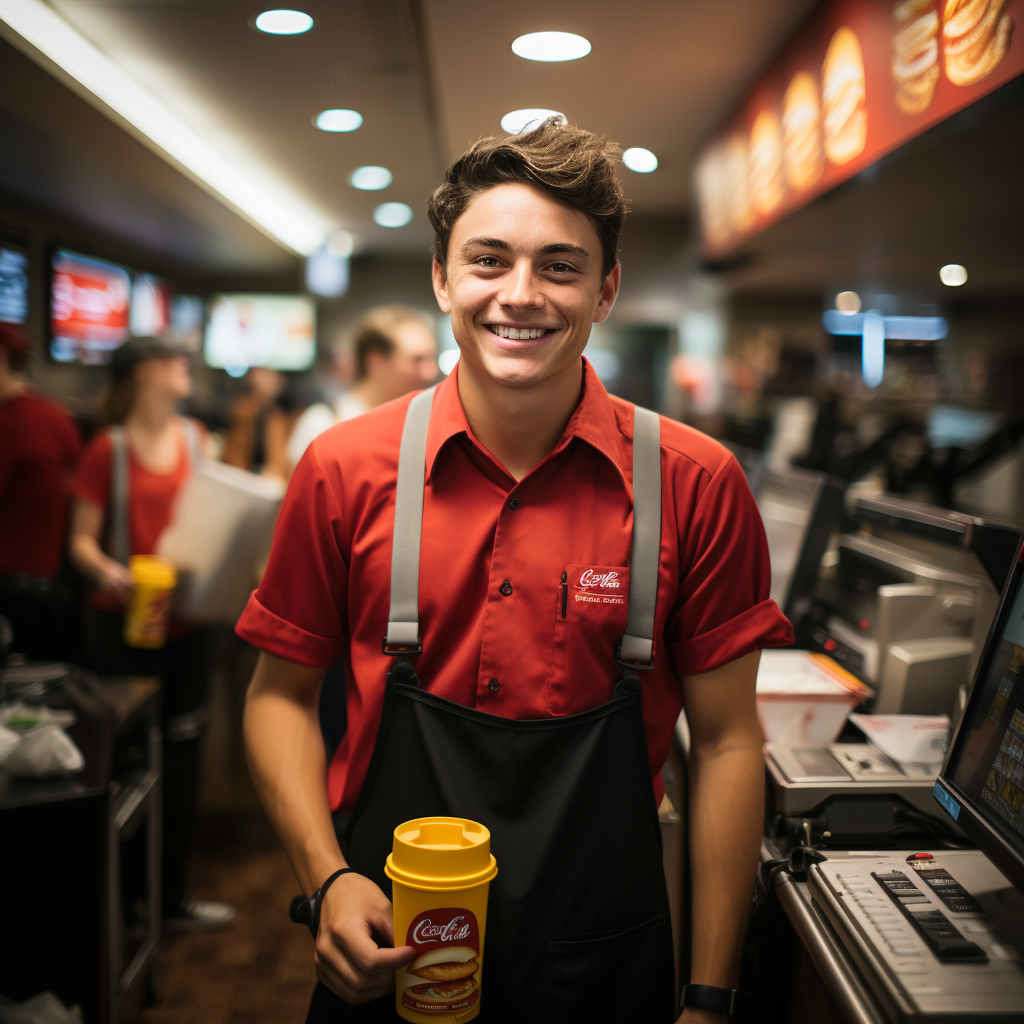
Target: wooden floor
[[260, 972]]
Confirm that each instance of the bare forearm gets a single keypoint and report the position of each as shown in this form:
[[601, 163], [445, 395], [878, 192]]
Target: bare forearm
[[726, 817], [288, 766], [87, 556]]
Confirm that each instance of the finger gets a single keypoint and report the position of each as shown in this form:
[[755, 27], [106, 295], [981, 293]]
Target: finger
[[363, 951], [344, 980]]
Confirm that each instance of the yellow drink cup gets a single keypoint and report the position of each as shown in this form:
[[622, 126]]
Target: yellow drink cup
[[441, 869], [145, 622]]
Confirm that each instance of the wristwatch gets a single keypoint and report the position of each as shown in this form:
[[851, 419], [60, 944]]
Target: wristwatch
[[732, 1002], [307, 911]]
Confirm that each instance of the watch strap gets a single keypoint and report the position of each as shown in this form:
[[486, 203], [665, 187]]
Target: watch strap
[[732, 1002], [307, 911]]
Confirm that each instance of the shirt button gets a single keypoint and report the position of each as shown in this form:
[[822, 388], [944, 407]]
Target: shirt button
[[514, 504], [494, 686], [505, 588]]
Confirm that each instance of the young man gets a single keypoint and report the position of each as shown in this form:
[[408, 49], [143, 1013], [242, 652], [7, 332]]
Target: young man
[[395, 352], [513, 690]]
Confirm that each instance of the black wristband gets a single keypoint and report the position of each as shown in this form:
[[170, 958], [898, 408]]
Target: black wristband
[[307, 911], [732, 1002]]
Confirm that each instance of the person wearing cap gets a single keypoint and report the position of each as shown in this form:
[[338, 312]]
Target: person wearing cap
[[149, 377], [40, 449], [528, 579]]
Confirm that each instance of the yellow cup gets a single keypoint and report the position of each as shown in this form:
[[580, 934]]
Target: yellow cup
[[145, 622], [441, 869]]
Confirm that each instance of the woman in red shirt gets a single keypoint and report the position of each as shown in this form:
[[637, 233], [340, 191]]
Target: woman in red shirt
[[149, 378]]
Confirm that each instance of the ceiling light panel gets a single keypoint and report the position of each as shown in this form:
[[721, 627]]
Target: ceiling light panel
[[392, 215], [281, 217], [551, 46], [338, 119], [953, 275], [284, 22], [517, 121], [643, 161], [370, 178]]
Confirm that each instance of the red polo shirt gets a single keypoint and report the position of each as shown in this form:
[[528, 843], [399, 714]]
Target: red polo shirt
[[560, 539]]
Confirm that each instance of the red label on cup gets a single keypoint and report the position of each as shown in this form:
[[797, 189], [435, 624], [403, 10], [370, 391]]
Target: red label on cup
[[444, 977]]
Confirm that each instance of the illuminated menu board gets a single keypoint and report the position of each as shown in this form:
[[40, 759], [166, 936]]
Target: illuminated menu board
[[861, 78], [89, 308]]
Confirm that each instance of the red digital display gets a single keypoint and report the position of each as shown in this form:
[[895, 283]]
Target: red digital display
[[89, 309]]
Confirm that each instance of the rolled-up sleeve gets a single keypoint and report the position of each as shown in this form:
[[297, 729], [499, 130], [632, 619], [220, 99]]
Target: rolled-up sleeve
[[723, 610], [299, 611]]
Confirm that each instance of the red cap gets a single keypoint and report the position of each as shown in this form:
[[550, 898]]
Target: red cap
[[16, 343]]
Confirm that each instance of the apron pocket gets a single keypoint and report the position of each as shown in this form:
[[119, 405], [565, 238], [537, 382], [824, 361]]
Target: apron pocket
[[616, 974]]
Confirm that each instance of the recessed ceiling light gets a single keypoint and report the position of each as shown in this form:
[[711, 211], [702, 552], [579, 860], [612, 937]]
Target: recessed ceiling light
[[848, 302], [340, 243], [283, 22], [516, 121], [370, 178], [643, 161], [953, 275], [392, 215], [551, 46], [338, 120]]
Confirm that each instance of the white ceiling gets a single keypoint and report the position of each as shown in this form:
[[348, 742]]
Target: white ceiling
[[430, 76]]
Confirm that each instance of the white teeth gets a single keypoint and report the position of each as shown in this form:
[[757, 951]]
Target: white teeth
[[517, 333]]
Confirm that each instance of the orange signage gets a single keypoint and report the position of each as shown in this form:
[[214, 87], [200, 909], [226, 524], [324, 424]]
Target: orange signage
[[858, 80]]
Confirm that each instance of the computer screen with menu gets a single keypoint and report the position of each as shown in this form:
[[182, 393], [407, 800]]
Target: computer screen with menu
[[982, 781]]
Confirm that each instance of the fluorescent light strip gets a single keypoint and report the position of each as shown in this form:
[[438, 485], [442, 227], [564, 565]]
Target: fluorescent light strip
[[52, 36]]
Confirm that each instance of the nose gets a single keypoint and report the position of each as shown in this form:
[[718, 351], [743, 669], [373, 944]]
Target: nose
[[519, 287]]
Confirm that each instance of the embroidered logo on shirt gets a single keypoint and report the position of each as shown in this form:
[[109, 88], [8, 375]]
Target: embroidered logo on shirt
[[599, 585]]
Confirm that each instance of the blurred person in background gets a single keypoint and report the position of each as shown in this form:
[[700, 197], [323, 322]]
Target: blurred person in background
[[40, 447], [395, 352], [261, 420], [149, 378]]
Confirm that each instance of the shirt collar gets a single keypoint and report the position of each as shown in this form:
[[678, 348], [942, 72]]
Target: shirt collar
[[593, 421]]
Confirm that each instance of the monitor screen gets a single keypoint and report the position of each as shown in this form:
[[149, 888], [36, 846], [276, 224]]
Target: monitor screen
[[13, 284], [275, 331], [89, 308], [151, 306], [188, 314], [986, 762]]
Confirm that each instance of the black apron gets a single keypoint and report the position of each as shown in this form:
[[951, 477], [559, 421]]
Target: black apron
[[578, 917]]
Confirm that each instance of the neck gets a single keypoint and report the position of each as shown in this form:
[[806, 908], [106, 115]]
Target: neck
[[519, 426], [371, 393], [152, 413]]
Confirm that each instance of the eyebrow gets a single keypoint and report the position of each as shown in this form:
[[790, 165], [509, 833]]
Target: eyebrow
[[554, 248]]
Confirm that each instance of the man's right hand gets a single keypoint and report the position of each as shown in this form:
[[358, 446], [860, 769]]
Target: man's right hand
[[354, 957], [114, 580]]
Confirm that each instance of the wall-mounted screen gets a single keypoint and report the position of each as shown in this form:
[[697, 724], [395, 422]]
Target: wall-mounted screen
[[151, 306], [188, 313], [276, 331], [13, 284], [89, 308]]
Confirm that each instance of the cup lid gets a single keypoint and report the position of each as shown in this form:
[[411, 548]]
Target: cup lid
[[441, 853], [152, 571]]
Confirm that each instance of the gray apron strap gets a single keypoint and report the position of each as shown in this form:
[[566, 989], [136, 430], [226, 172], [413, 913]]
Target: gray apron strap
[[120, 549], [195, 451], [636, 647], [403, 637]]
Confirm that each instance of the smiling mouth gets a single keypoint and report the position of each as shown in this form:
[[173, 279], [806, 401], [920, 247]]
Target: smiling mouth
[[519, 333]]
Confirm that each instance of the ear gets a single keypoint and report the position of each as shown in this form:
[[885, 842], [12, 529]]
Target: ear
[[609, 290], [439, 279]]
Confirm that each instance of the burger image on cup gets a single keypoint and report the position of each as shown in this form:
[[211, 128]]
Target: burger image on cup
[[449, 979]]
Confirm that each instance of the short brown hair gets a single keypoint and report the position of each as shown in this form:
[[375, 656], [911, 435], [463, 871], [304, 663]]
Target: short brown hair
[[375, 333], [573, 166]]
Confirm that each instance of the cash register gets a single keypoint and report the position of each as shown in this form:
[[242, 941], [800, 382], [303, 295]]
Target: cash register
[[909, 600], [938, 934]]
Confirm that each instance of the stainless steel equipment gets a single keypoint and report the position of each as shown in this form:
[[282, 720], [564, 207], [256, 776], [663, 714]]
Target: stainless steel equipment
[[910, 599]]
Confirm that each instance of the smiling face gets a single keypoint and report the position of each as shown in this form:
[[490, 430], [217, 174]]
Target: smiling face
[[523, 285]]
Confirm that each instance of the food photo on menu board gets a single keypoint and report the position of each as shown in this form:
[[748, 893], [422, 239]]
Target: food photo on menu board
[[859, 79]]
